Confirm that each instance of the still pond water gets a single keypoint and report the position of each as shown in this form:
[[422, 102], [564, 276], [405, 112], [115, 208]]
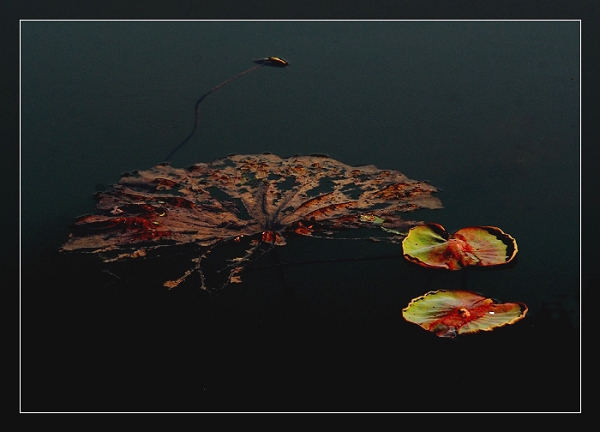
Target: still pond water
[[486, 111]]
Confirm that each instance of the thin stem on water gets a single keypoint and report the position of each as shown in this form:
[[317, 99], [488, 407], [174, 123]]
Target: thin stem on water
[[197, 112]]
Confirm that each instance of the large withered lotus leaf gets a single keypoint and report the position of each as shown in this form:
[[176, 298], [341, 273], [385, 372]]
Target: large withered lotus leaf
[[449, 313], [430, 246], [243, 195]]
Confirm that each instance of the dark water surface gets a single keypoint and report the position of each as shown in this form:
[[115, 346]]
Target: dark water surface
[[486, 111]]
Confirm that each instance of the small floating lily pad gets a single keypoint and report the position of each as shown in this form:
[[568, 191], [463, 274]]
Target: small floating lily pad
[[449, 313], [429, 245]]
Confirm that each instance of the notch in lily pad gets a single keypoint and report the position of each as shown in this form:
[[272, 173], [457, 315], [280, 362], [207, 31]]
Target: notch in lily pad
[[429, 245], [450, 313]]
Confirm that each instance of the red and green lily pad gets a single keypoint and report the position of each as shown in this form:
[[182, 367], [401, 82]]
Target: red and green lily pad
[[429, 245], [450, 313]]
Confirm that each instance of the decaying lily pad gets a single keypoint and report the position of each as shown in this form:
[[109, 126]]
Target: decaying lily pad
[[430, 246], [257, 200], [449, 313]]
